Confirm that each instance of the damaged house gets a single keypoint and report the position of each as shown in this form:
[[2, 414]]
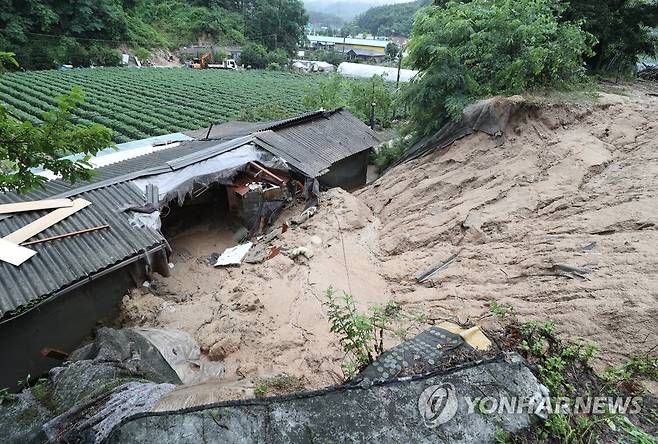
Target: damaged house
[[111, 233]]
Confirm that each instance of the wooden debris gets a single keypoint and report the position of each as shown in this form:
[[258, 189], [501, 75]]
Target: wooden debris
[[50, 219], [34, 205], [65, 235], [14, 254]]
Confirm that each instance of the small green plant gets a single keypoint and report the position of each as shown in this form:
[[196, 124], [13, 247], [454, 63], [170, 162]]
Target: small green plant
[[637, 366], [501, 310], [39, 389], [361, 335], [260, 390]]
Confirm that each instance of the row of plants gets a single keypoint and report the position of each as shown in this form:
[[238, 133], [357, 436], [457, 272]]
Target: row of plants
[[137, 104]]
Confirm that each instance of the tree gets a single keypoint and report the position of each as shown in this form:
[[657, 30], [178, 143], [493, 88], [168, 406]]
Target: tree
[[362, 94], [277, 23], [254, 55], [622, 28], [329, 94], [25, 146], [487, 47], [392, 50]]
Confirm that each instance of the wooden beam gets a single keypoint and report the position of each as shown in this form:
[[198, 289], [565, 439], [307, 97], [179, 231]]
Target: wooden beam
[[269, 173], [14, 254], [65, 235], [50, 219], [33, 205]]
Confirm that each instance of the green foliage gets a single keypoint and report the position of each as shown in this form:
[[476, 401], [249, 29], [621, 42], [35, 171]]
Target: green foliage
[[260, 390], [501, 310], [142, 54], [385, 154], [390, 20], [355, 95], [46, 33], [622, 29], [262, 113], [362, 94], [7, 58], [329, 94], [333, 57], [360, 334], [636, 366], [140, 103], [276, 24], [25, 145], [254, 55], [486, 47]]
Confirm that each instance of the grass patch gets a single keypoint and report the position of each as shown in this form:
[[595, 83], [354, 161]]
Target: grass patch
[[566, 371]]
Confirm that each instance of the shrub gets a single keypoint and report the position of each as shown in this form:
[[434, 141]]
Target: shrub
[[254, 55], [360, 334], [105, 56], [142, 54], [486, 47]]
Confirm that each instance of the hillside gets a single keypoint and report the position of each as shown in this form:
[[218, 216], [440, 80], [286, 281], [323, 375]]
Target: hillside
[[49, 33], [139, 103], [394, 19]]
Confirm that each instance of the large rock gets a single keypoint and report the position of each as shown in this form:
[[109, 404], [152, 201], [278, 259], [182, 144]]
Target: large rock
[[390, 411], [84, 385]]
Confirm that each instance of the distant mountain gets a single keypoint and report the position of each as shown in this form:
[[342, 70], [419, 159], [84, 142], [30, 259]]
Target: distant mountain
[[347, 10], [388, 20], [317, 18]]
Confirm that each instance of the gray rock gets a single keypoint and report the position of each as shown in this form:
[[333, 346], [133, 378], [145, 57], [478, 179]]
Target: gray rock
[[390, 411]]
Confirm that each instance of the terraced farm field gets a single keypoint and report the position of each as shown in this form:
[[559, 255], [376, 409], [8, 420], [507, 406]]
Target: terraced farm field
[[139, 103]]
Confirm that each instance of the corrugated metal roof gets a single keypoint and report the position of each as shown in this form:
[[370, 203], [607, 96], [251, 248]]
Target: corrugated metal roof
[[347, 41], [61, 263], [311, 143], [231, 130], [313, 146]]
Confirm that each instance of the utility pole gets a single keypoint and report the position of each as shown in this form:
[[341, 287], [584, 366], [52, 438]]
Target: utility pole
[[372, 108], [397, 83]]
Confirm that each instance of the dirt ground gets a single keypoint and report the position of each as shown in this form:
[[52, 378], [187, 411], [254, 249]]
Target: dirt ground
[[556, 217]]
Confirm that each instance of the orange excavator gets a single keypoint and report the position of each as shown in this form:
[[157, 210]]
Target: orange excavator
[[202, 62]]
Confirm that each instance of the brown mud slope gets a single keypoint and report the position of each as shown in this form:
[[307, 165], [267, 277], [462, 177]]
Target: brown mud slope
[[572, 186], [557, 217]]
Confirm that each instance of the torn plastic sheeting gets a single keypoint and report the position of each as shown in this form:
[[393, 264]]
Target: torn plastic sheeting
[[222, 168], [233, 255], [183, 354], [150, 220]]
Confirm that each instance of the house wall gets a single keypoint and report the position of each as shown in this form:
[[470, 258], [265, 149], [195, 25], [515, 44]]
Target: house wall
[[61, 323], [348, 173]]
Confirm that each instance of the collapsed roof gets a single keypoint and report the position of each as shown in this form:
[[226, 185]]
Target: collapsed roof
[[309, 144]]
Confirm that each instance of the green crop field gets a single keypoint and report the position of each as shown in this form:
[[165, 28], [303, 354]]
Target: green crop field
[[139, 103]]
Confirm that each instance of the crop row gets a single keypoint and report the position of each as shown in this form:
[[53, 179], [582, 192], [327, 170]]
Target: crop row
[[141, 103]]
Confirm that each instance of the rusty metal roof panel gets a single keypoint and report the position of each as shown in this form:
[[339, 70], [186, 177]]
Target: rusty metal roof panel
[[64, 262]]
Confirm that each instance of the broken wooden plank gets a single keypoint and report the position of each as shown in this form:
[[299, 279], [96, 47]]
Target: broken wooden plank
[[50, 219], [65, 235], [269, 173], [14, 254], [33, 205]]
